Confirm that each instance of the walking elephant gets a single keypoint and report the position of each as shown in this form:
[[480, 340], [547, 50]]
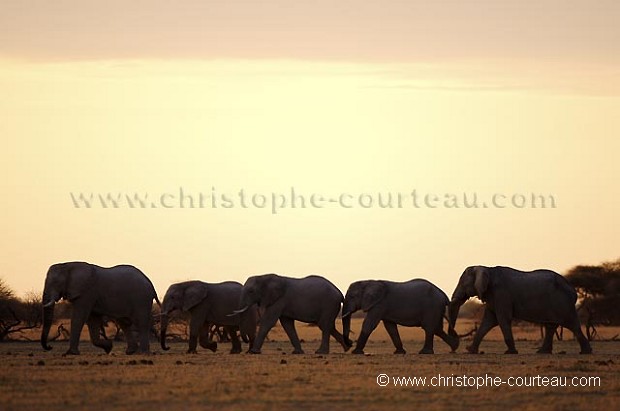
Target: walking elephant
[[540, 296], [312, 299], [209, 304], [122, 293], [414, 303]]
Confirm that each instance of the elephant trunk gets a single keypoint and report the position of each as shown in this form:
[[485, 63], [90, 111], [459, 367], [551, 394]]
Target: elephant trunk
[[347, 312], [48, 317], [453, 313], [247, 325], [346, 330], [164, 328]]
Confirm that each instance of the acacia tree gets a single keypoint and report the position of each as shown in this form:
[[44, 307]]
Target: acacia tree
[[18, 315], [8, 306], [31, 310], [598, 287]]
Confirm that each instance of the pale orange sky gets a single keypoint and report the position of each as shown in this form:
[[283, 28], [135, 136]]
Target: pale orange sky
[[361, 96]]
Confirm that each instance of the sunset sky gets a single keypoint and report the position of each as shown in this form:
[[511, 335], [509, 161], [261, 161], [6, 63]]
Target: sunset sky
[[327, 97]]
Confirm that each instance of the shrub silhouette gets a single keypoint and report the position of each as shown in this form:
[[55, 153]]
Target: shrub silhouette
[[598, 287]]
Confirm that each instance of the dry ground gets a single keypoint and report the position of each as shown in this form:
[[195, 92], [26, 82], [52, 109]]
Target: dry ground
[[33, 379]]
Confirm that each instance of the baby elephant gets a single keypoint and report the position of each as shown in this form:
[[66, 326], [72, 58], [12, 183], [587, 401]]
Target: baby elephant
[[415, 303]]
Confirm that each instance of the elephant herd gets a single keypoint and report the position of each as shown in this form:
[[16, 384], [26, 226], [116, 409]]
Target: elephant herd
[[125, 294]]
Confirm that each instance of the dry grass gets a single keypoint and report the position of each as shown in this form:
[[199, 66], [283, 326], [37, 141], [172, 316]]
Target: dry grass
[[33, 379]]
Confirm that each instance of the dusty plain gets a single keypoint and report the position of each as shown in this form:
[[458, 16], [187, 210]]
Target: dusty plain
[[31, 378]]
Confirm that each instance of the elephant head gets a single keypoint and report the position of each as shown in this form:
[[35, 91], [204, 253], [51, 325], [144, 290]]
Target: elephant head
[[474, 282], [263, 290], [67, 281], [181, 296], [361, 295]]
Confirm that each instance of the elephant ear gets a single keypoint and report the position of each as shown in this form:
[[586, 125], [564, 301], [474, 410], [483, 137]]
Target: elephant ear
[[481, 280], [273, 290], [194, 295], [373, 294], [79, 278]]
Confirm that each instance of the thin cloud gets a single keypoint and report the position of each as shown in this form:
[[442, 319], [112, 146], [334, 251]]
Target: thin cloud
[[439, 87], [365, 31]]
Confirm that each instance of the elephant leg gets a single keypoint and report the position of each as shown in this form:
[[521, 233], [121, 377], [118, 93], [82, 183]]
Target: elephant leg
[[234, 339], [575, 327], [143, 327], [266, 323], [392, 330], [251, 339], [489, 321], [289, 326], [428, 342], [505, 323], [326, 327], [369, 325], [78, 319], [95, 324], [196, 323], [145, 342], [547, 346], [204, 338], [130, 338], [324, 347]]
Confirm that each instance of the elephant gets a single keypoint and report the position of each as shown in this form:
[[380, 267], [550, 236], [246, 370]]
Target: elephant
[[122, 293], [209, 304], [414, 303], [540, 296], [312, 299]]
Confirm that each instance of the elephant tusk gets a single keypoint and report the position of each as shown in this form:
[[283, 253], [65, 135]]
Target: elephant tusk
[[347, 314], [237, 312], [49, 304]]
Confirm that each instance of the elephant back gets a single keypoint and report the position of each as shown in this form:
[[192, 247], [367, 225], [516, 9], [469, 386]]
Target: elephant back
[[315, 277], [430, 288], [137, 272]]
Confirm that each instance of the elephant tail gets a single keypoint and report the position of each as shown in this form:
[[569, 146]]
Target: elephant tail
[[340, 293], [152, 286], [155, 294]]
